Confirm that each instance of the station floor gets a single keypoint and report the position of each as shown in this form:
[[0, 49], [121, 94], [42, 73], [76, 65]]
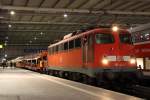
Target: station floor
[[20, 84], [146, 73]]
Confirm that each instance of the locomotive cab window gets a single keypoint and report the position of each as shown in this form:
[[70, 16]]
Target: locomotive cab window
[[125, 38], [56, 48], [104, 38], [49, 50], [77, 42], [53, 49], [71, 44], [66, 46]]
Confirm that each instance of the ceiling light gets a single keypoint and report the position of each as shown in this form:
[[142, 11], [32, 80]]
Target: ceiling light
[[1, 17], [30, 41], [12, 12], [5, 55], [35, 38], [5, 44], [41, 33], [3, 59], [6, 37], [9, 25], [1, 46], [65, 15]]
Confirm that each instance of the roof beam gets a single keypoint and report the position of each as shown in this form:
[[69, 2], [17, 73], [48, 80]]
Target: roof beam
[[136, 0], [47, 23], [26, 3], [144, 7], [55, 3], [114, 4], [83, 3], [125, 5], [139, 5], [54, 31], [69, 3], [12, 1], [41, 3], [28, 44], [62, 10], [102, 4]]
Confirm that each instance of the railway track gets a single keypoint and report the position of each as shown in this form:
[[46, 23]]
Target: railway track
[[134, 90], [141, 91]]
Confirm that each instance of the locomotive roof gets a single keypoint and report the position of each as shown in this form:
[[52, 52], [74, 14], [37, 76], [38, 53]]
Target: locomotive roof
[[84, 33]]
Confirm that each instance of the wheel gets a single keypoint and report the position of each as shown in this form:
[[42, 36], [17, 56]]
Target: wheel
[[76, 77]]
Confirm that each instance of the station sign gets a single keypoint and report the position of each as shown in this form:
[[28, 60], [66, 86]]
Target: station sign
[[34, 50]]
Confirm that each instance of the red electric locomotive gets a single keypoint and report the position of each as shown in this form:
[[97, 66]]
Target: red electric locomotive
[[100, 53]]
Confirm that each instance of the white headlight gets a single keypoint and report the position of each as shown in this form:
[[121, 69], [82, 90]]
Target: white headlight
[[132, 61], [115, 28], [104, 61]]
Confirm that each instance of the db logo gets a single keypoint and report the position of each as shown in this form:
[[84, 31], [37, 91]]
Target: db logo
[[137, 50], [119, 58]]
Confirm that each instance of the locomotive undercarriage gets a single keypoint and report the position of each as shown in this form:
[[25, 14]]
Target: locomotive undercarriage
[[98, 76]]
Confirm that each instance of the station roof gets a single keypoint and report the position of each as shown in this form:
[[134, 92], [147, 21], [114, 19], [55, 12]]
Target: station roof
[[40, 22]]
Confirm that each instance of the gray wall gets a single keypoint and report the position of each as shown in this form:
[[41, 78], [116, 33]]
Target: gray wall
[[15, 51]]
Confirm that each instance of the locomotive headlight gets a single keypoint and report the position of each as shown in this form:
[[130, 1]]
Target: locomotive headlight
[[115, 28], [105, 61], [132, 61]]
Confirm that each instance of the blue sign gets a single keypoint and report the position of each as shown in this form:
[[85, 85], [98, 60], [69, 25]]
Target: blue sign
[[34, 50]]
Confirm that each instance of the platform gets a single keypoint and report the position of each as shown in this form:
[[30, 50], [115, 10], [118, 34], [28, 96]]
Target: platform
[[146, 73], [19, 84]]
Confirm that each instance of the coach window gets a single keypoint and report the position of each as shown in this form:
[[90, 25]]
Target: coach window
[[71, 44], [104, 38], [66, 46], [77, 42]]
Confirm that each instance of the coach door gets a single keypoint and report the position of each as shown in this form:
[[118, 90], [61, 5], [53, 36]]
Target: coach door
[[87, 50]]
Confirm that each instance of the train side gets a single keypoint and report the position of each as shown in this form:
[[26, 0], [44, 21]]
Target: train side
[[36, 62], [95, 53]]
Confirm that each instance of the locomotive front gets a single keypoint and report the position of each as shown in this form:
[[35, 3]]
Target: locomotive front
[[114, 54]]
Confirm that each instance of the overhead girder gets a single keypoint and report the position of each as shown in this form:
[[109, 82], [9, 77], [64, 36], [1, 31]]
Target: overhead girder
[[54, 31], [64, 10], [42, 23], [28, 44]]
